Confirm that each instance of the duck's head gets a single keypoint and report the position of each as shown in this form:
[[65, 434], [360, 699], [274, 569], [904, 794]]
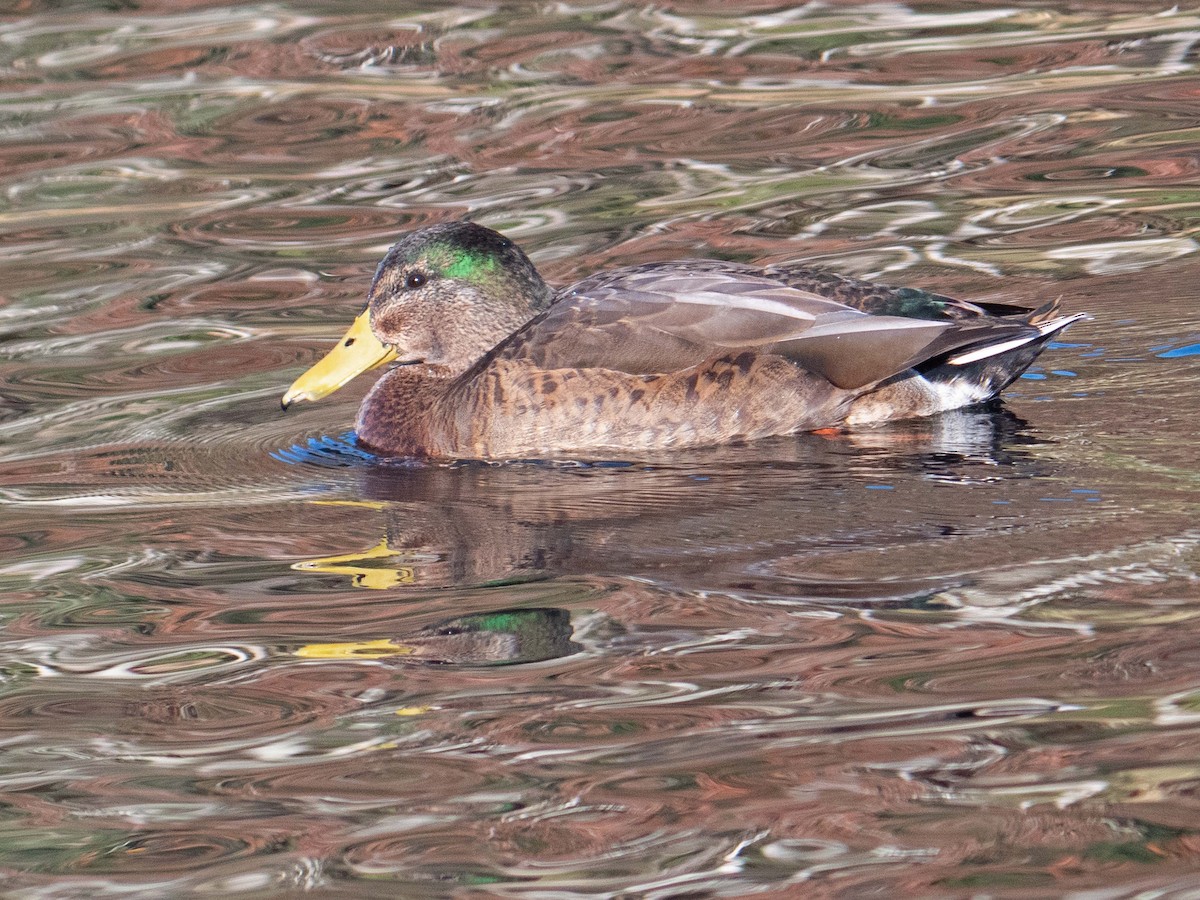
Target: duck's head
[[443, 296]]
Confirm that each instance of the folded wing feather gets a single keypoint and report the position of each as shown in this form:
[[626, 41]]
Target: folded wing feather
[[661, 318]]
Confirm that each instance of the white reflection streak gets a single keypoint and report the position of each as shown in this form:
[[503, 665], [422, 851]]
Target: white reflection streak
[[1113, 257]]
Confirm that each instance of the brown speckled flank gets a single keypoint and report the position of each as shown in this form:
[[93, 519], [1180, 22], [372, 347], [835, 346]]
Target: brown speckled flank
[[664, 355], [513, 408]]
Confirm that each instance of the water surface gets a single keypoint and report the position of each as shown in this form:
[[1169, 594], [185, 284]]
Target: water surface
[[938, 658]]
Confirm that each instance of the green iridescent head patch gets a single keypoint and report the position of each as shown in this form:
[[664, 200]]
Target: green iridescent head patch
[[467, 265]]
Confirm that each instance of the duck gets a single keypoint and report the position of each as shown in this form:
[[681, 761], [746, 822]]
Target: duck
[[492, 363]]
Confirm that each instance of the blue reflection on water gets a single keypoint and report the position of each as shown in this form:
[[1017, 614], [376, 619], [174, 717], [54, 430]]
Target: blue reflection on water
[[1189, 350], [330, 451]]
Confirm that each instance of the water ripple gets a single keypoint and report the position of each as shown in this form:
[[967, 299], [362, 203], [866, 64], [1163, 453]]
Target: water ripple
[[242, 656]]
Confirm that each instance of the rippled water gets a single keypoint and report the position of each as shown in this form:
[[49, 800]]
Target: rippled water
[[945, 657]]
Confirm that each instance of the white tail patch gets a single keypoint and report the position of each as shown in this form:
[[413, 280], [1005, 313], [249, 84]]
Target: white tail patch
[[1059, 324], [992, 350], [1044, 329]]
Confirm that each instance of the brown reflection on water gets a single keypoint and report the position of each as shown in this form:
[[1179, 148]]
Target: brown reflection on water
[[935, 659]]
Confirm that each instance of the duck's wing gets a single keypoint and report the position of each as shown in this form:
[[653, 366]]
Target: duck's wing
[[661, 318], [665, 317], [887, 300]]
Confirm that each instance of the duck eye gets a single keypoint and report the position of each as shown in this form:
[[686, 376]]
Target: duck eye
[[414, 281]]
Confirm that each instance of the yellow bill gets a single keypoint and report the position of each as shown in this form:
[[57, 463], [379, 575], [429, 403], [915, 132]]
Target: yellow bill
[[357, 566], [357, 352], [357, 650]]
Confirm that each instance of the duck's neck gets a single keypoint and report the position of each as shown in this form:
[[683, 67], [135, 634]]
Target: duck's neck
[[402, 414]]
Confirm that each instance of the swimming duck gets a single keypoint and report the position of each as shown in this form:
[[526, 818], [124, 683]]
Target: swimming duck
[[493, 363]]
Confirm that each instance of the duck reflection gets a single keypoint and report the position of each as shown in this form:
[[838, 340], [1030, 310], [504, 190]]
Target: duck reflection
[[501, 637], [738, 509]]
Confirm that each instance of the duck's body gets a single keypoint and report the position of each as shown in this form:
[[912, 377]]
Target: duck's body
[[652, 357]]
